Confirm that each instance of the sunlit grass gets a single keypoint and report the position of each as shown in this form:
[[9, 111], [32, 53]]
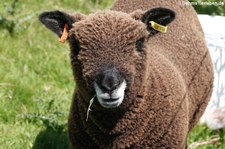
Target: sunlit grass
[[36, 82]]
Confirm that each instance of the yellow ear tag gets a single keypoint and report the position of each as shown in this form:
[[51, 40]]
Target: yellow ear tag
[[65, 34], [158, 27]]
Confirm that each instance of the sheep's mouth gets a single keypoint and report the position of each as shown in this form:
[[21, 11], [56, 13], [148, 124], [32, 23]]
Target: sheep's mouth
[[111, 102], [110, 99]]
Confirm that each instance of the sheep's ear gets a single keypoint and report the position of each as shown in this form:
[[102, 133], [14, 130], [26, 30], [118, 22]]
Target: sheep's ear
[[56, 20], [161, 16]]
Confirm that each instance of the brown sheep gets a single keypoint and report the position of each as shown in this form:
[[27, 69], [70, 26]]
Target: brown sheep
[[151, 88]]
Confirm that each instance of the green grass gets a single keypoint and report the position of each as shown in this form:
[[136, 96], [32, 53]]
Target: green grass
[[36, 82], [203, 133]]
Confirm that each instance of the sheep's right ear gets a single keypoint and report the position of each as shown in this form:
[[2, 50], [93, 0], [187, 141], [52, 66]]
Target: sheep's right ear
[[161, 16], [56, 20]]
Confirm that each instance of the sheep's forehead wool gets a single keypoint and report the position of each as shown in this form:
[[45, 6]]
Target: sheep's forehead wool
[[108, 29], [108, 38]]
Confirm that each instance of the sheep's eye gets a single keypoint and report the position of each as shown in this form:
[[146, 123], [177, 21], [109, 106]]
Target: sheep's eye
[[140, 43]]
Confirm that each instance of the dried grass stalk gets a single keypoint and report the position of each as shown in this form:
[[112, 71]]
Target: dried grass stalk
[[89, 107], [195, 145]]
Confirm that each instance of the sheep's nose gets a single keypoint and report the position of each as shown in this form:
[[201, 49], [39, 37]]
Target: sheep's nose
[[110, 82], [109, 79]]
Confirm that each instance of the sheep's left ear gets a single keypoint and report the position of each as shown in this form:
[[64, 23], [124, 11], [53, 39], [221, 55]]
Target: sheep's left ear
[[56, 20], [162, 16]]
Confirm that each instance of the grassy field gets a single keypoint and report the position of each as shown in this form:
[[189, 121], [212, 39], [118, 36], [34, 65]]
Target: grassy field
[[36, 82]]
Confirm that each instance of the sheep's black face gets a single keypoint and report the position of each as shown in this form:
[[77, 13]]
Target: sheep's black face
[[108, 50]]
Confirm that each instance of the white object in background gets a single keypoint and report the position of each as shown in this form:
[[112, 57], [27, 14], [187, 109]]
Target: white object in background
[[214, 30]]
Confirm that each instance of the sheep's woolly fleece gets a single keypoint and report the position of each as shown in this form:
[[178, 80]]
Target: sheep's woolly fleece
[[169, 81], [184, 46]]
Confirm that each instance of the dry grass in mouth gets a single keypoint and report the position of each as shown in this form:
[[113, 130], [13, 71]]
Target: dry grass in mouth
[[89, 107]]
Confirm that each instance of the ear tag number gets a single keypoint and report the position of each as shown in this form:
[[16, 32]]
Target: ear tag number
[[158, 27], [65, 34]]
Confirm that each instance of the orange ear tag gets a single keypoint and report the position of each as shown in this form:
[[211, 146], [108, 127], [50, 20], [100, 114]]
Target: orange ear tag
[[65, 34]]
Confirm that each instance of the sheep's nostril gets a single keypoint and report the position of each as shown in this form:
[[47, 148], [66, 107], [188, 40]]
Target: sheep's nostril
[[109, 79], [110, 84]]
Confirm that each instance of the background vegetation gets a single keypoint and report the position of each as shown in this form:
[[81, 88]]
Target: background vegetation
[[210, 9], [36, 82]]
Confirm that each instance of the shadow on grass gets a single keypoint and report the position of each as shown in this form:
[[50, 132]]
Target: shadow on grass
[[54, 134], [50, 139]]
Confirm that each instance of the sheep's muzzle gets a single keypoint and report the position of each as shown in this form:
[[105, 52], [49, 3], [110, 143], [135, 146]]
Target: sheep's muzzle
[[110, 87]]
